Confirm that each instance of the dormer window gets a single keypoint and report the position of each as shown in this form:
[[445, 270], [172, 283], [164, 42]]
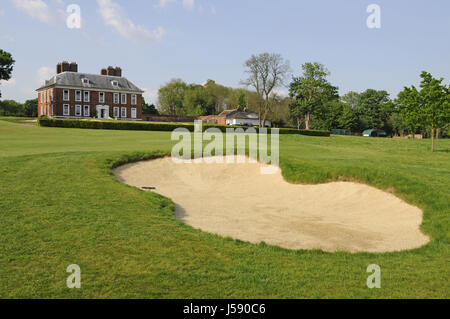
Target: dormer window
[[115, 83], [85, 81]]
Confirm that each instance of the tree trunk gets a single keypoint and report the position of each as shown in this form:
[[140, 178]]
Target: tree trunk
[[307, 121], [438, 131], [432, 139]]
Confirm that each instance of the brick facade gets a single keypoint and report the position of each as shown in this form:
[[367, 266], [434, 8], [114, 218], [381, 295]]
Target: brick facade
[[52, 101], [53, 104]]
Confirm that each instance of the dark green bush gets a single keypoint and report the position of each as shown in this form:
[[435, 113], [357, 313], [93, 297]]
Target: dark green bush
[[152, 126]]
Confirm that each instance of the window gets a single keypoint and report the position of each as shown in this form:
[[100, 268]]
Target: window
[[124, 99], [101, 97], [133, 99], [78, 96], [116, 112], [66, 95], [115, 83], [116, 98], [66, 110], [77, 110], [85, 81], [86, 111], [123, 112], [133, 113], [86, 96]]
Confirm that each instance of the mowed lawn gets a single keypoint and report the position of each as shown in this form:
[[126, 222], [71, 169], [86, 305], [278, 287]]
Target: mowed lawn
[[60, 205]]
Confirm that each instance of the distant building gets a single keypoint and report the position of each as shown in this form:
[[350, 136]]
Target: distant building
[[108, 95], [235, 117]]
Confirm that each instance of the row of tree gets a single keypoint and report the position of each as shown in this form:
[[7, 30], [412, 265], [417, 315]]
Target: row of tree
[[14, 108]]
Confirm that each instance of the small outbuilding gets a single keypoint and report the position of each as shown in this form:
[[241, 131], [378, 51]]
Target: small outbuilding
[[374, 133]]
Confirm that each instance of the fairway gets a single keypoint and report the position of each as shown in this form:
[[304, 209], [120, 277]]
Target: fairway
[[60, 204]]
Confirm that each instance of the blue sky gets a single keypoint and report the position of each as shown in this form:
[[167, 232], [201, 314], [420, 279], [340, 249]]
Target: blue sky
[[157, 40]]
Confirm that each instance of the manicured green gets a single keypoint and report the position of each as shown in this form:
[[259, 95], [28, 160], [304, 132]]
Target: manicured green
[[60, 205], [154, 126]]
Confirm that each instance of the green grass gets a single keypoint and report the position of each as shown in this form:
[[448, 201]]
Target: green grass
[[60, 205]]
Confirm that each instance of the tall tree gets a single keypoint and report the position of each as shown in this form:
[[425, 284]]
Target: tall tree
[[428, 108], [266, 72], [30, 107], [6, 66], [435, 98], [171, 97], [310, 91]]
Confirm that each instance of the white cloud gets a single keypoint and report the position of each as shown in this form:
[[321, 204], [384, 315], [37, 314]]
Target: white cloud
[[113, 15], [9, 83], [188, 4], [44, 73], [37, 9], [151, 96]]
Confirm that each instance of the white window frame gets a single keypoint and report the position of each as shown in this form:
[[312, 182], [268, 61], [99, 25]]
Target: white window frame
[[123, 112], [115, 83], [88, 113], [116, 111], [133, 99], [78, 110], [116, 98], [68, 95], [123, 98], [64, 109], [133, 112], [101, 97], [81, 95], [86, 81], [88, 96]]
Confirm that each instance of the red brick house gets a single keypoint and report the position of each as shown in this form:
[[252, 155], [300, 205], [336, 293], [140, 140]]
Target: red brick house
[[108, 95]]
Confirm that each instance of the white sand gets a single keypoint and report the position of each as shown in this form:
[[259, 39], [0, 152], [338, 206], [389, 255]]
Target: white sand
[[236, 200]]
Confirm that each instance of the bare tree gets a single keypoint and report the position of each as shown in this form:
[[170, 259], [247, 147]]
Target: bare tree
[[266, 71]]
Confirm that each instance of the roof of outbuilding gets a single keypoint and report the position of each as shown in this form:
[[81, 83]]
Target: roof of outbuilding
[[96, 81], [242, 115]]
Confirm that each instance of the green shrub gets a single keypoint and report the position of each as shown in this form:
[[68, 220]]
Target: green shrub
[[153, 126]]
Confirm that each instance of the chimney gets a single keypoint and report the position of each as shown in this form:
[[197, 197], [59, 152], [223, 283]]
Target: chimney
[[74, 67], [58, 68], [65, 66], [111, 71], [104, 72], [118, 71]]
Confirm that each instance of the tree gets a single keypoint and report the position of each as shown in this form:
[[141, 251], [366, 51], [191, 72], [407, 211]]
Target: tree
[[11, 108], [428, 108], [310, 91], [149, 108], [377, 108], [171, 97], [435, 100], [266, 72], [30, 108], [197, 101], [6, 66]]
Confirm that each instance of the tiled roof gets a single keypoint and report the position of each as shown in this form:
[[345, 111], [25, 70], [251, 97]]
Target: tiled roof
[[103, 82]]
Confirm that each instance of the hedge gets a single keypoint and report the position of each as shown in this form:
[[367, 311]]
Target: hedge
[[153, 126]]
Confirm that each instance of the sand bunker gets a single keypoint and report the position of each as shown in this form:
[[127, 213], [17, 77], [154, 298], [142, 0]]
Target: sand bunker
[[236, 200]]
